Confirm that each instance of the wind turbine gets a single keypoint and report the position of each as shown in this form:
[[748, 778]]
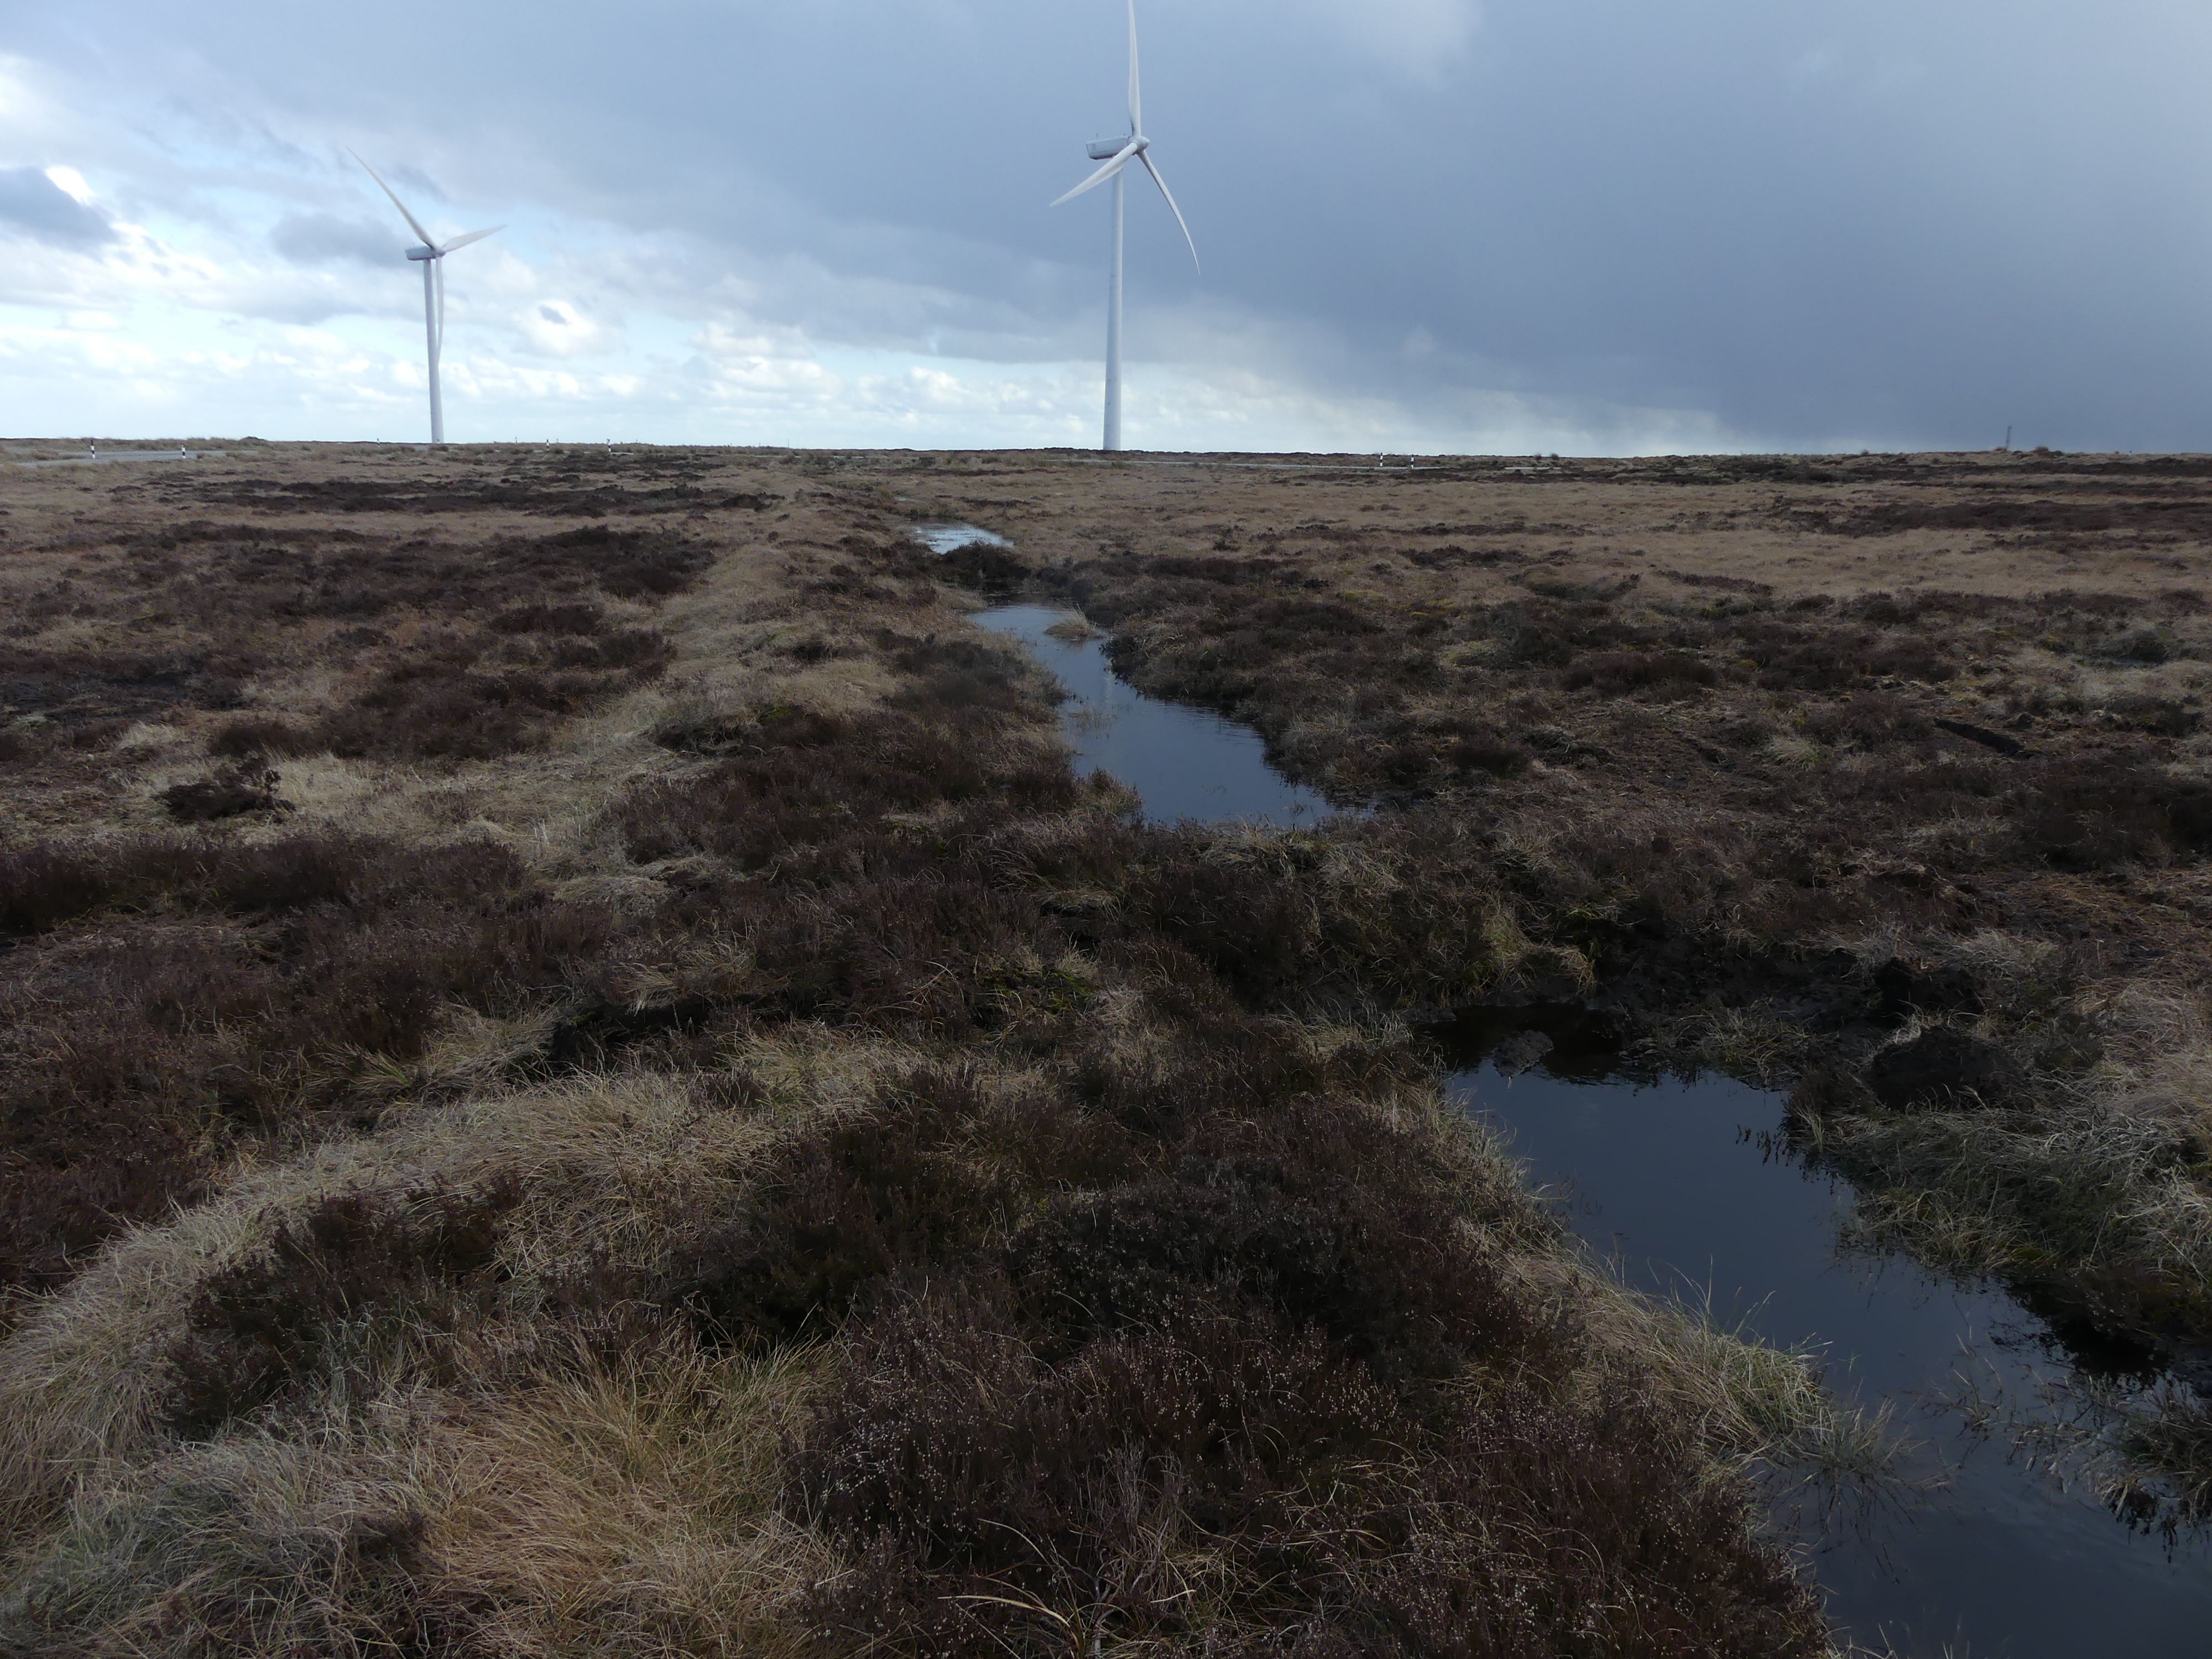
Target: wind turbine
[[1116, 154], [430, 255]]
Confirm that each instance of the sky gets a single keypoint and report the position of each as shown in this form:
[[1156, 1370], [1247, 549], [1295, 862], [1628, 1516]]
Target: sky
[[1587, 227]]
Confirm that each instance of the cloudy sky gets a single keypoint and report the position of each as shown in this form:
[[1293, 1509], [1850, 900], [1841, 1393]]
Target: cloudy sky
[[1589, 226]]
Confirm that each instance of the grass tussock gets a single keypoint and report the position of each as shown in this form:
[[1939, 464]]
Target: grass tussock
[[603, 1507]]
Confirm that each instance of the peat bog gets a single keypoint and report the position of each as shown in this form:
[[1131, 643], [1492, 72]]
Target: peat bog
[[677, 1118], [2007, 1523]]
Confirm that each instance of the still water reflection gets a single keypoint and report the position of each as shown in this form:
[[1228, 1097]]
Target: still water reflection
[[1683, 1184], [950, 538], [1184, 763]]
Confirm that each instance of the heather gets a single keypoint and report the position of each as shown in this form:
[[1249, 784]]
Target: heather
[[608, 1089]]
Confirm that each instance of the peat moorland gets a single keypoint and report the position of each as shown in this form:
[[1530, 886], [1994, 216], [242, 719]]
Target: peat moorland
[[581, 1073]]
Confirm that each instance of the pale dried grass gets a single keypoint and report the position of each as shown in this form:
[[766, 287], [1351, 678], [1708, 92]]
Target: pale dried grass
[[613, 1172], [598, 1507]]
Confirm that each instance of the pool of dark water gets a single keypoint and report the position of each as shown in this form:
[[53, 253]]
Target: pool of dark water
[[1184, 763], [1686, 1187], [1689, 1188]]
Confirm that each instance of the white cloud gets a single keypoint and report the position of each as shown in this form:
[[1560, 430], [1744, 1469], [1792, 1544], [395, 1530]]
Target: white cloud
[[71, 183], [558, 329]]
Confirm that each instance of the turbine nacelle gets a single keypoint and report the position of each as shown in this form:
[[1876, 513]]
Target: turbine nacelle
[[422, 253]]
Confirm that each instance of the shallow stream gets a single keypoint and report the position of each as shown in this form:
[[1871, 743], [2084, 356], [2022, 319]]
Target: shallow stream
[[1184, 763], [1689, 1188]]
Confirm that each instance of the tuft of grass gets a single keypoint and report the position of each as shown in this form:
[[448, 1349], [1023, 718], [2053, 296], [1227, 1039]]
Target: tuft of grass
[[629, 1502]]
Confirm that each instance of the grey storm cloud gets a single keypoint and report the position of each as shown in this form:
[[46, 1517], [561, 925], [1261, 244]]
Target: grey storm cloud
[[33, 205], [1891, 221]]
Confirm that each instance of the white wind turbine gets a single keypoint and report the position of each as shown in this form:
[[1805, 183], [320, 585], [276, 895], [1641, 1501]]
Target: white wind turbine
[[430, 255], [1117, 154]]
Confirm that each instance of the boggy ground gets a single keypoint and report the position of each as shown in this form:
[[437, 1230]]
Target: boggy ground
[[579, 1075], [1881, 777]]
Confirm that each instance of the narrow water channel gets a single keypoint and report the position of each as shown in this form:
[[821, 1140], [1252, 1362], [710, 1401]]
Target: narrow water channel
[[1687, 1187], [1184, 763]]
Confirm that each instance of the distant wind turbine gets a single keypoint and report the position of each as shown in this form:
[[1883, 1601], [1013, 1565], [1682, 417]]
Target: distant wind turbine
[[431, 255], [1117, 154]]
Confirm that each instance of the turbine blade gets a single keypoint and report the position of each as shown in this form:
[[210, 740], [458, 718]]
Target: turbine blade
[[437, 276], [1107, 169], [473, 236], [1147, 158], [1136, 97], [413, 223]]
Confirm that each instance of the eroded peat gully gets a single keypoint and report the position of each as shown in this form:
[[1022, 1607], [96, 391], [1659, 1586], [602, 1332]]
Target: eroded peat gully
[[584, 1069], [1978, 1536]]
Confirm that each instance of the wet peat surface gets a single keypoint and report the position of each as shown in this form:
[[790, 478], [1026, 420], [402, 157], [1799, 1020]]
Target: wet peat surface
[[1184, 763], [1685, 1186], [1688, 1187]]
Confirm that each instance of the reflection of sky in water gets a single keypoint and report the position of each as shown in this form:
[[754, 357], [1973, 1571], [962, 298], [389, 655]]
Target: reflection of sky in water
[[945, 537], [1184, 763], [1673, 1180]]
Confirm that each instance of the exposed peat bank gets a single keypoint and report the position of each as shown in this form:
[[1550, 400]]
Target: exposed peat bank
[[584, 1070]]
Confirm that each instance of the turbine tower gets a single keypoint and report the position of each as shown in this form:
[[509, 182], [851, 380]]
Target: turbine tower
[[1116, 154], [430, 255]]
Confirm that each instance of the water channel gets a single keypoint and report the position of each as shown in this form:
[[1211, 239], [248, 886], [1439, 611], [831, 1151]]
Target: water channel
[[1184, 763], [1686, 1185]]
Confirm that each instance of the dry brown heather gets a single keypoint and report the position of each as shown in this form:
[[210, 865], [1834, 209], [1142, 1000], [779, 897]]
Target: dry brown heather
[[579, 1076]]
